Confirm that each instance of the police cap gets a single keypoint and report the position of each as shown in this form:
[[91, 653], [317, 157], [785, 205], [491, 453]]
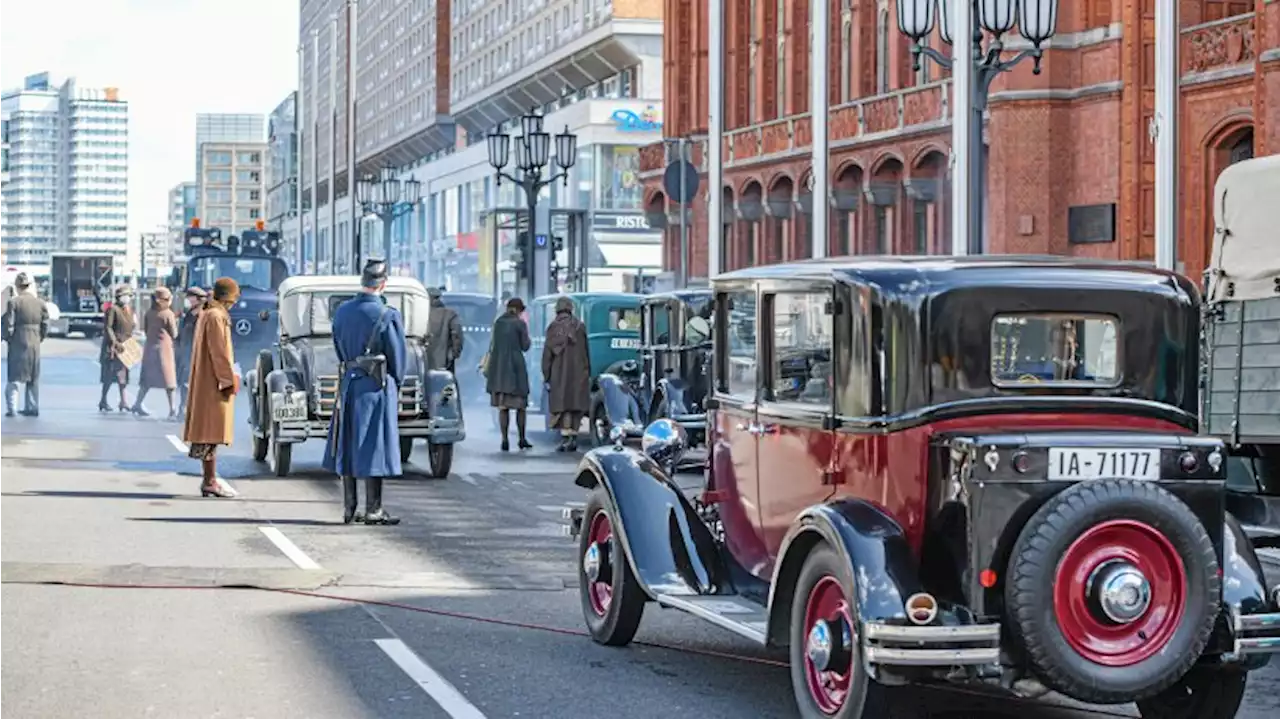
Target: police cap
[[374, 273]]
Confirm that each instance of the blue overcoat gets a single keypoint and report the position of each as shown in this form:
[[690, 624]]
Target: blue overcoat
[[364, 438]]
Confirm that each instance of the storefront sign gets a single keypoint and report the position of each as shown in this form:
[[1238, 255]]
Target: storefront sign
[[647, 121], [619, 222]]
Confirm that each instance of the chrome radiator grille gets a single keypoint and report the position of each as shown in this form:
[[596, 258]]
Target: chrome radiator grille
[[327, 395]]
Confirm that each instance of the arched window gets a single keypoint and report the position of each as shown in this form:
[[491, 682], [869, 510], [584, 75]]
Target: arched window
[[882, 52], [1242, 149]]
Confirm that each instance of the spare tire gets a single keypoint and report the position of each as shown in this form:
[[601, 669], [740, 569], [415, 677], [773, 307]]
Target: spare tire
[[1112, 591]]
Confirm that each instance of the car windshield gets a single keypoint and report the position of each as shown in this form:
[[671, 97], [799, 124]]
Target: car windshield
[[1054, 349], [474, 314], [259, 273]]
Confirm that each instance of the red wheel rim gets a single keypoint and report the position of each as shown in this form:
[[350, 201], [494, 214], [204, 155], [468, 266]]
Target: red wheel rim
[[600, 591], [829, 689], [1084, 625]]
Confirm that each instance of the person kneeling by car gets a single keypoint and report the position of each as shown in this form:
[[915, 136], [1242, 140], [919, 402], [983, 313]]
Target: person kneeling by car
[[364, 435]]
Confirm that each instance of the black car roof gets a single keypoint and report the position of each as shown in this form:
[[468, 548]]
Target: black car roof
[[682, 295], [927, 273]]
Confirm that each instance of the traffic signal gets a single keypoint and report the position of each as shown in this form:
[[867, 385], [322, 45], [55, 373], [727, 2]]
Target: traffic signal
[[557, 243]]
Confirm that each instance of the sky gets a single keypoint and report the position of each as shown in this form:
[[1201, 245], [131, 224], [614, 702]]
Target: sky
[[171, 59]]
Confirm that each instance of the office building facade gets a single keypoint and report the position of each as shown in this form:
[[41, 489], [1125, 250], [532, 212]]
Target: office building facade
[[433, 78], [65, 171], [183, 208], [282, 166], [232, 186]]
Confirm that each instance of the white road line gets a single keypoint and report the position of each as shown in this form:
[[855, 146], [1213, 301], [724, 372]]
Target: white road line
[[177, 443], [290, 549], [467, 478], [449, 699]]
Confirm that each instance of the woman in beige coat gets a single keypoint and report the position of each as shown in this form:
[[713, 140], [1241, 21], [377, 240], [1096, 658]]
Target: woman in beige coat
[[158, 370], [213, 387]]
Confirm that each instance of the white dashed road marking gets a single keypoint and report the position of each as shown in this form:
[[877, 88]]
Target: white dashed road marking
[[284, 544], [436, 686], [177, 443]]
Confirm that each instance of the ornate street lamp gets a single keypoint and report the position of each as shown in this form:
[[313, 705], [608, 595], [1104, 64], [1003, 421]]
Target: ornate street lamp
[[533, 150], [1036, 20], [388, 198]]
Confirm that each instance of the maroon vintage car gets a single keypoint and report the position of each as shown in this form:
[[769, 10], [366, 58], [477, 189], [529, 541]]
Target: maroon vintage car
[[970, 470]]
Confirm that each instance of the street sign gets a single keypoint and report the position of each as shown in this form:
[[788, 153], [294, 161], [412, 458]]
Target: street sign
[[540, 241], [678, 190]]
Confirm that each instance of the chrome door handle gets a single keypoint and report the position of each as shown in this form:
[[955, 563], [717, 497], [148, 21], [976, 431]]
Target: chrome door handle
[[760, 430]]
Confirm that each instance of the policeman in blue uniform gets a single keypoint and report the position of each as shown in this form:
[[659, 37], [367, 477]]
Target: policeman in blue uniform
[[364, 438]]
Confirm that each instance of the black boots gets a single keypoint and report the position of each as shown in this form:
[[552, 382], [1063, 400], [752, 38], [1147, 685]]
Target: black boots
[[349, 500], [374, 513]]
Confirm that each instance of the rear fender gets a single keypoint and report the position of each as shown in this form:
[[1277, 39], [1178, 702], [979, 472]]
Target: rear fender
[[669, 548], [619, 402], [869, 540], [1244, 585]]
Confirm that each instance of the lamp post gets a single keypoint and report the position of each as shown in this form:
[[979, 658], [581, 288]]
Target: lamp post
[[1037, 21], [388, 198], [533, 148]]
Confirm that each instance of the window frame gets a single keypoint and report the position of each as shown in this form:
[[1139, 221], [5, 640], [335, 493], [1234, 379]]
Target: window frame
[[720, 383], [765, 358], [1003, 384]]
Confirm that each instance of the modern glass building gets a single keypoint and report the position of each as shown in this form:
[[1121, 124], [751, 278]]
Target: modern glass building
[[65, 171]]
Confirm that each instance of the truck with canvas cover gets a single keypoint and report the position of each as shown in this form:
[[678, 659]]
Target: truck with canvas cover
[[1240, 397], [80, 286]]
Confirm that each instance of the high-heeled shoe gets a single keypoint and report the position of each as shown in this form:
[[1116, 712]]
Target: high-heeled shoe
[[524, 444], [173, 414], [140, 411], [103, 406], [124, 407], [218, 489], [506, 446]]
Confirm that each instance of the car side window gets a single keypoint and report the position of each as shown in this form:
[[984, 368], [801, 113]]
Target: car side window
[[800, 354], [740, 341]]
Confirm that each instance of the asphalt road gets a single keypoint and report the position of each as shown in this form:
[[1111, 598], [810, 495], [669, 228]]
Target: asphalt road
[[466, 609]]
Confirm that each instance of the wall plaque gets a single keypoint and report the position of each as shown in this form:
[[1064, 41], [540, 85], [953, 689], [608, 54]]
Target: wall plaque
[[1091, 224]]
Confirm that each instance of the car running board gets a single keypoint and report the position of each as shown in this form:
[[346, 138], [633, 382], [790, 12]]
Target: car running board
[[740, 616]]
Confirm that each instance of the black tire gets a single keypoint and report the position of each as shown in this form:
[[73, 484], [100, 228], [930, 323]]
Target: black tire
[[441, 459], [260, 447], [1204, 693], [406, 448], [599, 424], [280, 454], [1034, 568], [617, 625], [262, 367], [865, 698]]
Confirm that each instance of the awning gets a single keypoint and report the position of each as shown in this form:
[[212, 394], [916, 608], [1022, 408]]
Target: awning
[[647, 255]]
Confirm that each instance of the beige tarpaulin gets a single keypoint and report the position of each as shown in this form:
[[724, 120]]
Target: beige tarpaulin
[[1245, 264]]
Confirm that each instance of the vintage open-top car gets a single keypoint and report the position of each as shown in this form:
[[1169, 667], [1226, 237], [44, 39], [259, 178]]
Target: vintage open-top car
[[972, 470], [293, 387]]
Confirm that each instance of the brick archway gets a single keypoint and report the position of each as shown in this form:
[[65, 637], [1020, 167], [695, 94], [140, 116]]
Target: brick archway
[[1230, 143], [779, 235], [927, 201]]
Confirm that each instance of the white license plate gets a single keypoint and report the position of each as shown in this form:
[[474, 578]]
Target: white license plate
[[621, 343], [289, 412], [1099, 463]]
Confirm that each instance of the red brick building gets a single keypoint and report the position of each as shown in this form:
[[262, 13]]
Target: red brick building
[[1076, 135]]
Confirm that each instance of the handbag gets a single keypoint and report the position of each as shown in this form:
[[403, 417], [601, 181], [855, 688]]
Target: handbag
[[374, 365], [130, 353]]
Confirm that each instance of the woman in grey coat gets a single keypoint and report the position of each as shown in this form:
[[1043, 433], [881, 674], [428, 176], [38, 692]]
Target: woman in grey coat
[[118, 325], [506, 376], [26, 324], [158, 367]]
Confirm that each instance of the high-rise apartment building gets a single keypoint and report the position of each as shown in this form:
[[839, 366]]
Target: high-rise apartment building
[[225, 129], [232, 185], [65, 171]]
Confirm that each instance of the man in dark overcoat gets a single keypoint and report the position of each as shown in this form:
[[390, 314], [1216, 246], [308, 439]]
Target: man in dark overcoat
[[566, 368], [444, 334], [26, 324], [364, 434]]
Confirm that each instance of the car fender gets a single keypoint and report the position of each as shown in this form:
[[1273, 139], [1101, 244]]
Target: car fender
[[1244, 585], [675, 390], [864, 536], [669, 548], [619, 402], [440, 396]]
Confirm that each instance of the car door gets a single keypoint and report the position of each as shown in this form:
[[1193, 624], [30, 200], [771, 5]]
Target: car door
[[733, 446], [795, 414]]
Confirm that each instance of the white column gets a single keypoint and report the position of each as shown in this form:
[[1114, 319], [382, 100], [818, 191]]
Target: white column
[[715, 137], [1165, 127], [333, 144], [315, 146], [962, 119], [819, 108], [299, 127], [353, 20]]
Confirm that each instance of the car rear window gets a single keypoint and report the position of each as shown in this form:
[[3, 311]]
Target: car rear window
[[1056, 349], [624, 319]]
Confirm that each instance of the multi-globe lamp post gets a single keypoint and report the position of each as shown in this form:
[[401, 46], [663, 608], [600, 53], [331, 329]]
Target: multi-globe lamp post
[[388, 198], [533, 150], [1036, 20]]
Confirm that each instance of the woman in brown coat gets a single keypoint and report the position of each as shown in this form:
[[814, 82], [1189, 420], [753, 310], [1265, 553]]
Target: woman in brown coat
[[213, 386], [118, 325], [566, 368], [158, 369]]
